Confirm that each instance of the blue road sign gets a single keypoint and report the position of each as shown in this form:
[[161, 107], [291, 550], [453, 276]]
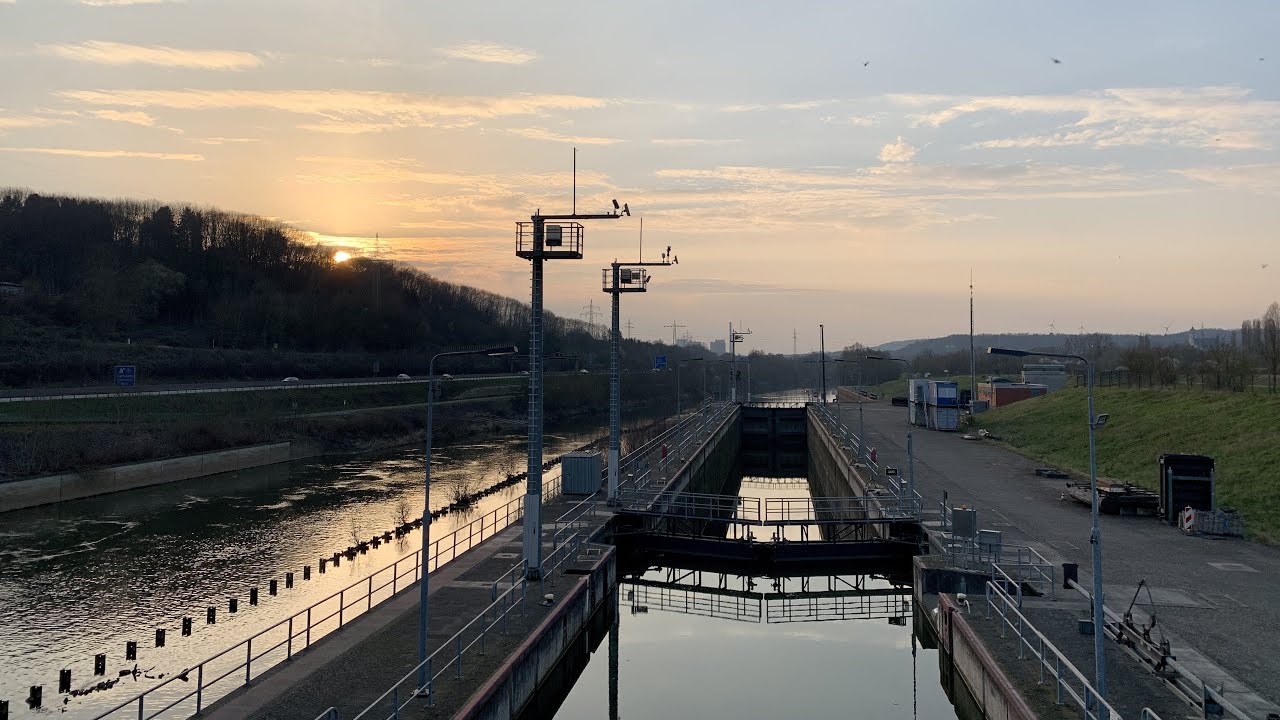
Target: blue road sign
[[659, 362], [126, 375]]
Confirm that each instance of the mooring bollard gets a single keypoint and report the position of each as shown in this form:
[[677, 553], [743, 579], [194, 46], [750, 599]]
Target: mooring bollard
[[159, 637], [211, 615], [253, 596], [186, 627], [233, 604], [337, 560], [64, 681], [271, 587], [288, 579], [4, 710], [131, 650], [35, 697], [322, 563]]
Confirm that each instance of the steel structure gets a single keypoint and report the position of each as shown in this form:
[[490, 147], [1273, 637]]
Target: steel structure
[[537, 242], [617, 279]]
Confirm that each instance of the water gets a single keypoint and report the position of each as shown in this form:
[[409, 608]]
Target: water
[[716, 645], [86, 576], [768, 648]]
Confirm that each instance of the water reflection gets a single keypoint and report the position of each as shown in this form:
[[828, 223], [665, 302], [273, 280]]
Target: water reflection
[[690, 643], [86, 576]]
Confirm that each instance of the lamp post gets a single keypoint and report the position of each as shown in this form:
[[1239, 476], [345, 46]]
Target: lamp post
[[734, 339], [1095, 422], [822, 348], [426, 505]]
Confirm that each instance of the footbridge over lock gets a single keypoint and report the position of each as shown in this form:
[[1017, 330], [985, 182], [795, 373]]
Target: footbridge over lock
[[769, 486]]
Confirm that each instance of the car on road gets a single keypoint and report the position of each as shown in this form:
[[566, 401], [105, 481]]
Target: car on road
[[584, 371], [290, 379], [403, 376], [446, 376], [524, 372]]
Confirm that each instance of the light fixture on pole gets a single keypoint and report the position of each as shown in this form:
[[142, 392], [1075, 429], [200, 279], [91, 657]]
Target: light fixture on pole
[[426, 504], [1095, 422], [621, 278], [911, 464], [734, 339], [538, 241]]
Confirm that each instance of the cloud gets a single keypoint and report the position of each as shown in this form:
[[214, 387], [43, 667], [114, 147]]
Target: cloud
[[1261, 178], [113, 53], [227, 140], [897, 152], [1206, 117], [762, 107], [18, 122], [489, 53], [345, 111], [106, 154], [124, 116], [691, 142], [537, 133]]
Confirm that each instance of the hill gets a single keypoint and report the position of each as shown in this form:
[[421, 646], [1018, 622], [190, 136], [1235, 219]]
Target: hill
[[1240, 430], [910, 349], [191, 294]]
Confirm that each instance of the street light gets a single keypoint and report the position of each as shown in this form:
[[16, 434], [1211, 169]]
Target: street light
[[426, 506], [911, 464], [1095, 422]]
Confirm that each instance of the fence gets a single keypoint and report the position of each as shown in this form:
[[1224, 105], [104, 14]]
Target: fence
[[223, 672], [1067, 679], [1168, 380], [908, 502]]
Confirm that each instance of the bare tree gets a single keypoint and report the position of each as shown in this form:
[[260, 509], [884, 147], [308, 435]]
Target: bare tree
[[1269, 347]]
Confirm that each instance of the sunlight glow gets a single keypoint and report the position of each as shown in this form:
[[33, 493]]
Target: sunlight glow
[[341, 256]]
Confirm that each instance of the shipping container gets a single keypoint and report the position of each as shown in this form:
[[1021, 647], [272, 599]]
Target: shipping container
[[944, 418], [943, 393], [1001, 394]]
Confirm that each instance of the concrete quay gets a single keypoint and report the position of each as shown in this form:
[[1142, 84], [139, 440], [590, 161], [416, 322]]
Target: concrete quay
[[1214, 598]]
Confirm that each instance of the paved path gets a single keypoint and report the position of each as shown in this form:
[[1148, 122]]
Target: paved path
[[1217, 596]]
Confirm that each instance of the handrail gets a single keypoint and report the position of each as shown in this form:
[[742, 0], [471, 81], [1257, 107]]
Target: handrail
[[302, 631], [1087, 697]]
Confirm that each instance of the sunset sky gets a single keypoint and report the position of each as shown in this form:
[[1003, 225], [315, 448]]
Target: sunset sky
[[810, 162]]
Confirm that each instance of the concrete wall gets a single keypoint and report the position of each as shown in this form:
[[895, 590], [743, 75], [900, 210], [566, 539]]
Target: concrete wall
[[71, 486], [971, 663], [514, 683]]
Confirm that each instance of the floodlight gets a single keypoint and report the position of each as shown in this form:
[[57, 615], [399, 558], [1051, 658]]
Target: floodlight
[[615, 204], [626, 210], [1007, 351], [1101, 420], [502, 351]]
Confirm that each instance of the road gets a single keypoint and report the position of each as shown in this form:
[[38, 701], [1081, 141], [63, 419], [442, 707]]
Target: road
[[1215, 595], [107, 391]]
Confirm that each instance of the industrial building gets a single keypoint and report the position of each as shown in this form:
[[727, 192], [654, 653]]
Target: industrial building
[[999, 392]]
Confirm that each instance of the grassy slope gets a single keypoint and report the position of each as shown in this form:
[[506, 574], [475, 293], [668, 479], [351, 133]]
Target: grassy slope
[[1240, 430]]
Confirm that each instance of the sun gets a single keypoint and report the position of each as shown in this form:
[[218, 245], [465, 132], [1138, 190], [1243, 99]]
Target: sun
[[341, 256]]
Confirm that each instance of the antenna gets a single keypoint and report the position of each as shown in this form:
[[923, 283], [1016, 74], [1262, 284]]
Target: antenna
[[641, 239], [793, 342], [575, 182], [973, 358]]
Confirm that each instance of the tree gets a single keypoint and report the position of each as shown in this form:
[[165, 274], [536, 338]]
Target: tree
[[1269, 345]]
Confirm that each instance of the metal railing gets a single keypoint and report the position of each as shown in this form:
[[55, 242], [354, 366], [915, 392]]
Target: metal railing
[[239, 664], [1069, 682], [1183, 680], [898, 487], [642, 477], [573, 528]]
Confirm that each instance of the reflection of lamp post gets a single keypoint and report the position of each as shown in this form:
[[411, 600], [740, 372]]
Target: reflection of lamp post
[[911, 465], [1095, 422], [426, 507]]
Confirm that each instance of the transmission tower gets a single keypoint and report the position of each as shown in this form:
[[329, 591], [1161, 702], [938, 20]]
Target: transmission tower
[[674, 327], [589, 311], [628, 328]]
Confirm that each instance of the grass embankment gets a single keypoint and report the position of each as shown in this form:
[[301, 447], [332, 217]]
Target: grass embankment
[[1240, 430]]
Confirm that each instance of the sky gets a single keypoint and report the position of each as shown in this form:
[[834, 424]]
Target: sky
[[1095, 165]]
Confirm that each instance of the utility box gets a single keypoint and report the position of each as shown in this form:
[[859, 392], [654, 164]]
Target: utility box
[[1185, 481], [580, 473], [990, 543]]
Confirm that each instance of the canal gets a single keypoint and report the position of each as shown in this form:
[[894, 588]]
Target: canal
[[88, 576], [682, 642]]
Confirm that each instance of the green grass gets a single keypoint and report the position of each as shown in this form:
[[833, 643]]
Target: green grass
[[1240, 430]]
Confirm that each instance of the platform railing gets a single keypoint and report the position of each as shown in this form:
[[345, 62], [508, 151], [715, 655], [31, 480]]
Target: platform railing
[[237, 665], [904, 499], [1069, 682]]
